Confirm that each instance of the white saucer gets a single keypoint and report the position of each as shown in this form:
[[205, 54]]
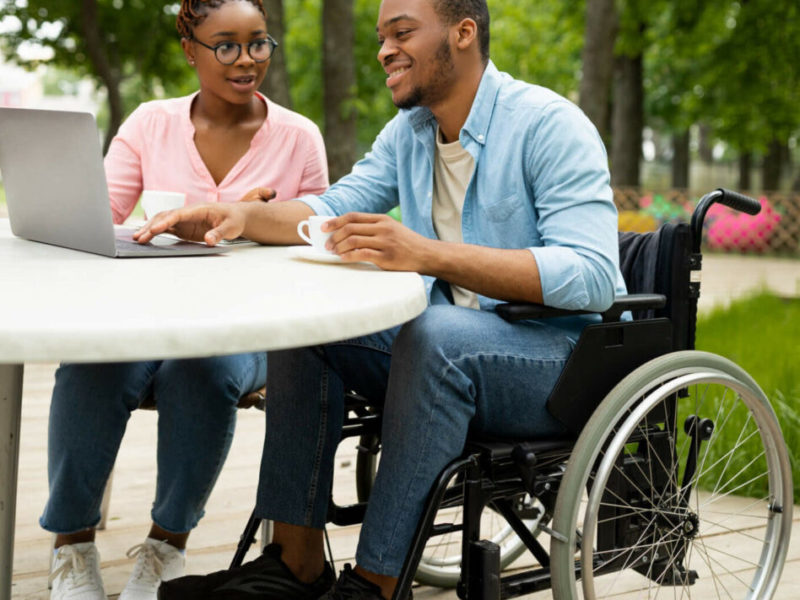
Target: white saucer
[[311, 253]]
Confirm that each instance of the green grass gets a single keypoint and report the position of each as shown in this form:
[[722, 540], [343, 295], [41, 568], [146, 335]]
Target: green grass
[[762, 335]]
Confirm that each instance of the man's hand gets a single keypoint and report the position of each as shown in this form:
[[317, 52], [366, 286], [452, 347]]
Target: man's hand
[[207, 223], [378, 239]]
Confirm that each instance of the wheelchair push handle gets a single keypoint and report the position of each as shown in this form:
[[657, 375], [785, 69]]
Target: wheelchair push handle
[[729, 198], [739, 202]]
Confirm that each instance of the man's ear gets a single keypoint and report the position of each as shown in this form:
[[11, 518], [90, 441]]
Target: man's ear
[[188, 50], [467, 31]]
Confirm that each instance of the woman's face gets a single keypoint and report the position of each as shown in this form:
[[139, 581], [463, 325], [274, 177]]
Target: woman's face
[[236, 21]]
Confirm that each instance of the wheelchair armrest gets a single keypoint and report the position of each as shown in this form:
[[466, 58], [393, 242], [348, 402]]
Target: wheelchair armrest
[[516, 311]]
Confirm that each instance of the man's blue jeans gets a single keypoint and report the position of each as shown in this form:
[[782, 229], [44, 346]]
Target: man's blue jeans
[[196, 401], [449, 371]]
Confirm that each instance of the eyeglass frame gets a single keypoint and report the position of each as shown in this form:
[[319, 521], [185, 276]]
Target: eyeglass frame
[[269, 39]]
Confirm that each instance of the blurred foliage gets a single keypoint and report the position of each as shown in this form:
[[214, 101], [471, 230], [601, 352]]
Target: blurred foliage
[[138, 38], [733, 64], [536, 41]]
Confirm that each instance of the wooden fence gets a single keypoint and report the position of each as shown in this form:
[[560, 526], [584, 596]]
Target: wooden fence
[[777, 229]]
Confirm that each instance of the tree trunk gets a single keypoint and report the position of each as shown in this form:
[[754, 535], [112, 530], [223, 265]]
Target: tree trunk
[[627, 121], [598, 62], [109, 74], [680, 160], [339, 81], [771, 167], [745, 166], [705, 146], [276, 83]]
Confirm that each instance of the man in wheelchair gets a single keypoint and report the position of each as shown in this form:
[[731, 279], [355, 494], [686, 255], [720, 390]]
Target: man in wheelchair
[[504, 192]]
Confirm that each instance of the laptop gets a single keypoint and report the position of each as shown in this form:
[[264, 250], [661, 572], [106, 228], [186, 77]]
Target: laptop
[[52, 169]]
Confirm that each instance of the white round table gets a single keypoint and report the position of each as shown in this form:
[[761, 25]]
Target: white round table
[[63, 305]]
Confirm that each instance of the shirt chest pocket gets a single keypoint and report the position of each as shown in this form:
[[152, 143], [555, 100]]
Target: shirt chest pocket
[[500, 208]]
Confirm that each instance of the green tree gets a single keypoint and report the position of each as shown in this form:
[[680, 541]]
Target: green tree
[[276, 83], [731, 64], [128, 47]]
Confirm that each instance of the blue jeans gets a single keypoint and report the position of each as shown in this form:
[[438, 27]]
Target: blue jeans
[[196, 401], [450, 371]]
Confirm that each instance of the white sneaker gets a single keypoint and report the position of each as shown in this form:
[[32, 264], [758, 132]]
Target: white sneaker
[[155, 562], [75, 574]]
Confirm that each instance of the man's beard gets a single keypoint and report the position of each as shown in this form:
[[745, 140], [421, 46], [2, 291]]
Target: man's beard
[[439, 83]]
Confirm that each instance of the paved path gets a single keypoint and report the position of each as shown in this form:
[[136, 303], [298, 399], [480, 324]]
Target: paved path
[[729, 276]]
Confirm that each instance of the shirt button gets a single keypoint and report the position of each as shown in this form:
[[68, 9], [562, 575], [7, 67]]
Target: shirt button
[[480, 138]]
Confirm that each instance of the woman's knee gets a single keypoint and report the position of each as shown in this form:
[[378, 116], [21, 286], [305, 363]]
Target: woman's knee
[[101, 384], [215, 379]]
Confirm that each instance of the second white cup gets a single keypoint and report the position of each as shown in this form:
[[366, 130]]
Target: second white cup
[[156, 201], [315, 236]]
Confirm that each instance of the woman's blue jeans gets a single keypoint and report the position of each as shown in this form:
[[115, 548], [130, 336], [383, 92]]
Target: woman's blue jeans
[[449, 371], [196, 401]]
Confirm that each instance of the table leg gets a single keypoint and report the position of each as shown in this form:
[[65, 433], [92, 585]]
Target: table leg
[[10, 411]]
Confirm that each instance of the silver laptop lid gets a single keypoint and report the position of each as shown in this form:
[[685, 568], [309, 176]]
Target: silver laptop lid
[[52, 169]]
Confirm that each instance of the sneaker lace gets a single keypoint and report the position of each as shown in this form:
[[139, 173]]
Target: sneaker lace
[[149, 565], [75, 569]]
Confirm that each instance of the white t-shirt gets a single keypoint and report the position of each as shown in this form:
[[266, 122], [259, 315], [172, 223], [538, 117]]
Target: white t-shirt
[[452, 171]]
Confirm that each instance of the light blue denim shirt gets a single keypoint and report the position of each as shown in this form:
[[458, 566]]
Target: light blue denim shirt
[[540, 182]]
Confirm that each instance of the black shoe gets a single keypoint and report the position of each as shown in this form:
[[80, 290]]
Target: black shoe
[[351, 586], [265, 578]]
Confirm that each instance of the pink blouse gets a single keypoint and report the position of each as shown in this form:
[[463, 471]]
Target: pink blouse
[[154, 149]]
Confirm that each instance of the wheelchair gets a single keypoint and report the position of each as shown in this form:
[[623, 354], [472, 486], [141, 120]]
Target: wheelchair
[[673, 479]]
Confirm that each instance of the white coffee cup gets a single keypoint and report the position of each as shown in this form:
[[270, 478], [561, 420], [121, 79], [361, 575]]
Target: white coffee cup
[[155, 201], [316, 237]]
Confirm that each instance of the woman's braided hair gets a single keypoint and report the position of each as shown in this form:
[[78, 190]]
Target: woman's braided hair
[[193, 12]]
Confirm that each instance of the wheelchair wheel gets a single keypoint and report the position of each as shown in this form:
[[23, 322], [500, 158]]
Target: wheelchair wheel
[[686, 484], [440, 565]]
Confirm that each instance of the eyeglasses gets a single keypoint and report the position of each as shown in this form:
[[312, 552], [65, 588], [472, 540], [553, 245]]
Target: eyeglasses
[[229, 52]]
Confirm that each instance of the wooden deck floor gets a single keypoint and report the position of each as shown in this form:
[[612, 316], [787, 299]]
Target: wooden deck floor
[[212, 544]]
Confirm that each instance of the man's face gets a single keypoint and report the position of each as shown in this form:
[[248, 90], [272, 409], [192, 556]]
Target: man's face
[[415, 52]]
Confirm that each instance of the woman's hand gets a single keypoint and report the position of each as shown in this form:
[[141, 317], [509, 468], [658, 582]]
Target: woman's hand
[[259, 194]]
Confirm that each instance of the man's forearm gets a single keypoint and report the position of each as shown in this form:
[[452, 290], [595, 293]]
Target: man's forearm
[[496, 273], [275, 222]]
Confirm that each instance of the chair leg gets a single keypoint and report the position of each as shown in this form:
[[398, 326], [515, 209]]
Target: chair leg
[[106, 501], [246, 539], [267, 531], [52, 559]]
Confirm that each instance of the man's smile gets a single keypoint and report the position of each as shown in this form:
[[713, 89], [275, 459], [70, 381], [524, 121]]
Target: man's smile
[[395, 74]]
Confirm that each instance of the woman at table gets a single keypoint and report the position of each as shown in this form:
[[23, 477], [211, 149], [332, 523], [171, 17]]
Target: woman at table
[[221, 144]]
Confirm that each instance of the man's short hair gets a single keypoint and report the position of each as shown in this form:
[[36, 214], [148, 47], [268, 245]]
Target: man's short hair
[[453, 11]]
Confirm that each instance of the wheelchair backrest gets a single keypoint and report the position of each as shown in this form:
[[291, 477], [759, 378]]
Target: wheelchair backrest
[[657, 262], [661, 262]]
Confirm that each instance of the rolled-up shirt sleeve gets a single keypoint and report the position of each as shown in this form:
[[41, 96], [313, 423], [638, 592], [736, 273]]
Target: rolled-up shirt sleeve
[[578, 262]]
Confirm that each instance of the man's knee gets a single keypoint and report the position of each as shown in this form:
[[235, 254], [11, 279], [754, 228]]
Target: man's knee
[[435, 333]]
